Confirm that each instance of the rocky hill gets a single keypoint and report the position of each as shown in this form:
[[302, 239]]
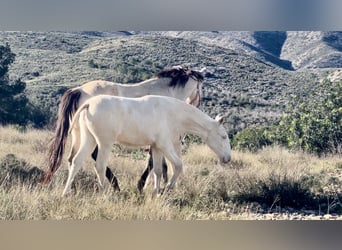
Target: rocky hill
[[289, 50], [313, 49], [250, 75]]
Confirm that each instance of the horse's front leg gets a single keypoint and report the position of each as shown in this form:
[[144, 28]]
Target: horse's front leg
[[149, 167], [164, 166], [174, 156], [157, 169], [142, 180], [109, 174]]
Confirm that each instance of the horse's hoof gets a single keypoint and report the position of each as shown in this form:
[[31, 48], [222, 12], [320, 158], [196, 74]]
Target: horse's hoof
[[140, 185], [116, 188]]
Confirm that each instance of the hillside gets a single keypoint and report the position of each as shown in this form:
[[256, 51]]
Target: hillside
[[290, 50], [245, 85], [313, 49]]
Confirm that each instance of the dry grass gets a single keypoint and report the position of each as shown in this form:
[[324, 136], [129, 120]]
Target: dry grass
[[251, 185]]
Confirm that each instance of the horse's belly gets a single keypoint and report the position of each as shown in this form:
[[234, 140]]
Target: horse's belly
[[134, 139], [135, 127]]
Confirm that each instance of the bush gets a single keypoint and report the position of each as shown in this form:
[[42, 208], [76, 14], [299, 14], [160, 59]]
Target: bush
[[252, 139], [14, 171], [277, 190], [315, 125], [44, 106], [13, 101], [15, 107]]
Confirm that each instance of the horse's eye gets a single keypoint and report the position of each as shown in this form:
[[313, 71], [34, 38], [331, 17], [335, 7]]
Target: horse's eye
[[224, 137]]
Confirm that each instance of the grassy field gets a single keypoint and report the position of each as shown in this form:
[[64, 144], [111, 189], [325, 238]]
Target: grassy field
[[270, 184]]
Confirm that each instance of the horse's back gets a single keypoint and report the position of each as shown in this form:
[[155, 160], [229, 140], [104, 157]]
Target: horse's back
[[99, 87], [141, 108], [131, 121], [139, 121], [144, 103]]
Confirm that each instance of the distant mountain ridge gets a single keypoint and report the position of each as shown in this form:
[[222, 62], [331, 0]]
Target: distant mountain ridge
[[289, 50]]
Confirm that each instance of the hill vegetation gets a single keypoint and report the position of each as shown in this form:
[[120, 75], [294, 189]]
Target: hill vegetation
[[314, 125], [246, 76], [251, 91]]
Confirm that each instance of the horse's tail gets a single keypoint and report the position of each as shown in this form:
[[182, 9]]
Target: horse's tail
[[67, 107], [77, 115]]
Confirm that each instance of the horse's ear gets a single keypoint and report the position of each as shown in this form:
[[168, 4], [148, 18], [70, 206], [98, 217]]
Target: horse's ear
[[202, 70], [219, 118], [178, 67]]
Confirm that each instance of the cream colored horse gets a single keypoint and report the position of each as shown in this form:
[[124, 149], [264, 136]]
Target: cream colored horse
[[179, 82], [157, 121]]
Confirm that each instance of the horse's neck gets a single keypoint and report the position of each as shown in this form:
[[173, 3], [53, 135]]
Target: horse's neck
[[196, 122], [154, 86]]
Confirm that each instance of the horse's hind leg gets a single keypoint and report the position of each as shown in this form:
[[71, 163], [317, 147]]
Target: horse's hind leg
[[100, 165], [86, 147], [75, 141], [109, 174]]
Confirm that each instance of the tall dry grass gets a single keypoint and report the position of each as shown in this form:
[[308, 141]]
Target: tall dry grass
[[253, 183]]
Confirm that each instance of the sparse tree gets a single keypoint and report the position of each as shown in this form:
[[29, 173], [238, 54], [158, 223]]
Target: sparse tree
[[13, 101]]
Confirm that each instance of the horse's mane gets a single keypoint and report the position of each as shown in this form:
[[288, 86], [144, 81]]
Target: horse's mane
[[180, 75]]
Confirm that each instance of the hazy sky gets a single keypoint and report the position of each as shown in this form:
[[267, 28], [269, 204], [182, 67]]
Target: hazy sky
[[170, 15]]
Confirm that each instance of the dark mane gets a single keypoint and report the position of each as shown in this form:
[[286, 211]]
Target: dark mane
[[180, 75]]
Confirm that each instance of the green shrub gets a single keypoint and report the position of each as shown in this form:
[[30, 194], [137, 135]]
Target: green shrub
[[252, 139], [15, 107], [13, 101], [314, 125]]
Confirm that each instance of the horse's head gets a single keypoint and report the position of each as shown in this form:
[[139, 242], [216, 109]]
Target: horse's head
[[218, 140], [196, 93], [186, 83]]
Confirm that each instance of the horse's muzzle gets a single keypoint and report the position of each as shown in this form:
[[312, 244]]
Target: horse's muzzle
[[225, 159], [196, 101]]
